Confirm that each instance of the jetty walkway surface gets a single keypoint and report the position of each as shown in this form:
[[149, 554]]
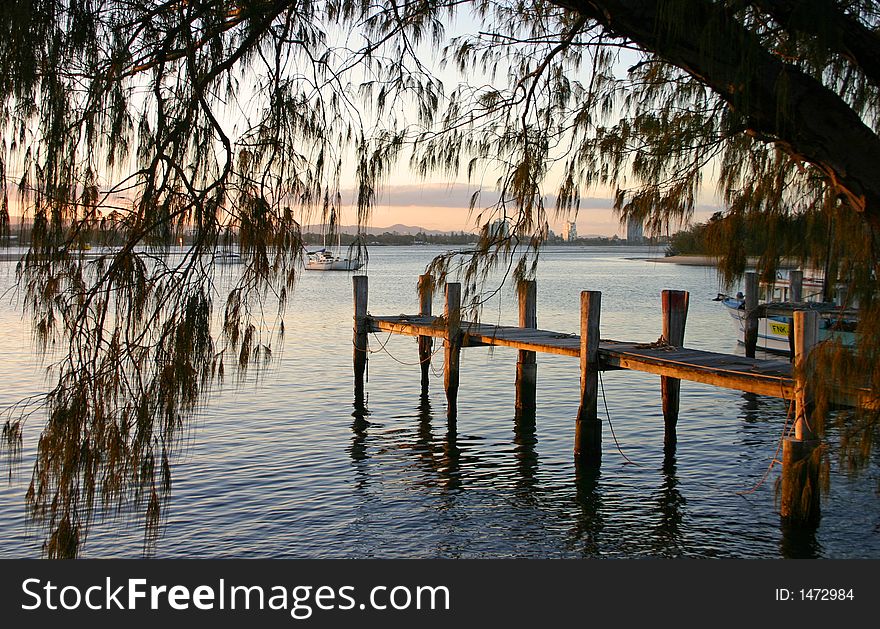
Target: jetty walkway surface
[[764, 377]]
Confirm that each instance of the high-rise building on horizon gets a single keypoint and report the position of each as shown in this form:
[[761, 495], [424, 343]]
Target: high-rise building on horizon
[[635, 232], [569, 231]]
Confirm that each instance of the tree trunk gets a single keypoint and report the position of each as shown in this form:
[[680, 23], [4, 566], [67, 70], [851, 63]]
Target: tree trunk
[[777, 101]]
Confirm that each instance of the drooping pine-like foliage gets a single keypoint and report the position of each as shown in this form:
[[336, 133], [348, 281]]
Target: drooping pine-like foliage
[[158, 134], [146, 124]]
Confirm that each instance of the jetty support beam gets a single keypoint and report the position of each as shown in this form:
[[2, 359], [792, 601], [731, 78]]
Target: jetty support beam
[[526, 365], [426, 343], [796, 296], [796, 286], [588, 428], [675, 309], [750, 338], [359, 339], [800, 467], [452, 348]]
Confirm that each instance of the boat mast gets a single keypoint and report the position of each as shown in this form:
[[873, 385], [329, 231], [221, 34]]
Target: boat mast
[[330, 228]]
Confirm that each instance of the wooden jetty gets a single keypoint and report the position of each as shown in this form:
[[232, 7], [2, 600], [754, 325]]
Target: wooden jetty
[[668, 358]]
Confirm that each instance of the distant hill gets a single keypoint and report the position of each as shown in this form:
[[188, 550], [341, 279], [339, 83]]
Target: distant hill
[[408, 230]]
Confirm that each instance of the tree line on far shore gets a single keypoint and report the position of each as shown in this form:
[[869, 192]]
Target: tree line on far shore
[[789, 236]]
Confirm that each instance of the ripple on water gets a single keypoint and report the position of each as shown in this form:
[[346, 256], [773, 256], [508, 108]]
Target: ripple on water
[[287, 466]]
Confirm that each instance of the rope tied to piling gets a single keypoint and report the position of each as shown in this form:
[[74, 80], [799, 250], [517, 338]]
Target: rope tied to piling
[[661, 344], [610, 425], [786, 428], [383, 348]]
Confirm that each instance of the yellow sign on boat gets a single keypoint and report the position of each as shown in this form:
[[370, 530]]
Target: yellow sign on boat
[[779, 328]]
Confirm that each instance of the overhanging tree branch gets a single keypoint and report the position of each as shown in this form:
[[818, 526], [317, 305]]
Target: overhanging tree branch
[[776, 100], [837, 30]]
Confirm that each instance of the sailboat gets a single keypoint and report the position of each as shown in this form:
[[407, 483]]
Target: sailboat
[[325, 259]]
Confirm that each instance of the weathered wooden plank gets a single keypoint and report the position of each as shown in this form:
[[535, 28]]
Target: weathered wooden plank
[[781, 366], [696, 357], [761, 384], [800, 472], [452, 348], [359, 334], [751, 304], [675, 308], [708, 360], [410, 328], [511, 335], [426, 342], [417, 326], [545, 347], [526, 364], [795, 285], [772, 378], [510, 332], [588, 427]]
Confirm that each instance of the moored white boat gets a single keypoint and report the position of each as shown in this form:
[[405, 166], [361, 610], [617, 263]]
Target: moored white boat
[[325, 260], [773, 331]]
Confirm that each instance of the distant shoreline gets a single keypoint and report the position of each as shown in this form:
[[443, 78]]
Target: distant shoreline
[[694, 260], [698, 260]]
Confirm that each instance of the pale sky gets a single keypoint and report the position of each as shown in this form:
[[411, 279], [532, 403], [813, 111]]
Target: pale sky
[[443, 206]]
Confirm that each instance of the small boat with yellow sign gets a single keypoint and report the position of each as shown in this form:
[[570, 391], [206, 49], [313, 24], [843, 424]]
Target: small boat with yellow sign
[[773, 330]]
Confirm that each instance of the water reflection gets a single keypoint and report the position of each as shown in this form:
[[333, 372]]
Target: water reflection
[[443, 461], [390, 479], [670, 503], [589, 523], [750, 407], [424, 443], [525, 439], [799, 542], [602, 516], [358, 448], [450, 470]]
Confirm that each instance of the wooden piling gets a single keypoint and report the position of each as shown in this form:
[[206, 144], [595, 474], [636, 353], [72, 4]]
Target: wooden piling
[[796, 286], [800, 486], [675, 309], [452, 348], [796, 296], [800, 469], [359, 339], [751, 321], [426, 343], [806, 335], [588, 428], [526, 365]]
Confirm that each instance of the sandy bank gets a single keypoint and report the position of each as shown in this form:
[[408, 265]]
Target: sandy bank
[[709, 261]]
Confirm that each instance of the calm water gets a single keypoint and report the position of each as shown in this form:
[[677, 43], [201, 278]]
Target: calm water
[[285, 467]]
